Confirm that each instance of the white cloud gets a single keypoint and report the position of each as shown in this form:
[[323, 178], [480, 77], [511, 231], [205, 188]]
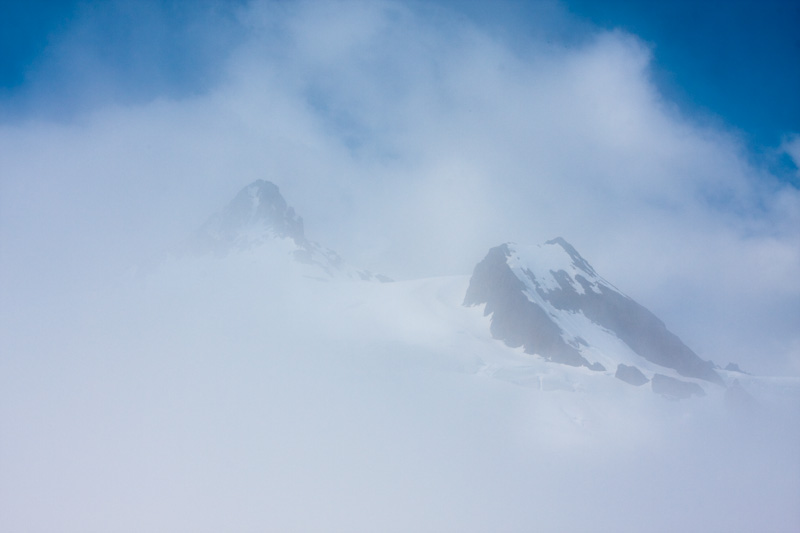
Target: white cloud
[[791, 147], [411, 142]]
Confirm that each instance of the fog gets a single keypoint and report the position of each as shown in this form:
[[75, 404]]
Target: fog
[[235, 395], [220, 394]]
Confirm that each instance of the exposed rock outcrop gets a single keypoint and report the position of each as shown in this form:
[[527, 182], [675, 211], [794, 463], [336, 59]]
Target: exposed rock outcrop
[[630, 375], [543, 298]]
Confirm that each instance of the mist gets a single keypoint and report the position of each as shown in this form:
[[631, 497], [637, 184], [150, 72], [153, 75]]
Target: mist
[[221, 394], [234, 394]]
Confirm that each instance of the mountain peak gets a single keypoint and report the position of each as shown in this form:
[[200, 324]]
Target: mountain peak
[[261, 204], [550, 301], [259, 219], [258, 213], [577, 259]]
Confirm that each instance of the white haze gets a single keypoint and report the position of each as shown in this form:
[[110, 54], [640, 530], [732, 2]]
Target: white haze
[[411, 141], [232, 394]]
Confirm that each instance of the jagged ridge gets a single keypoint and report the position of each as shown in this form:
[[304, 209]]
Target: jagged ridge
[[258, 215], [533, 294]]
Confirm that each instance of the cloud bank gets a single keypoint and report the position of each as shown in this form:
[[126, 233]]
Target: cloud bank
[[411, 140]]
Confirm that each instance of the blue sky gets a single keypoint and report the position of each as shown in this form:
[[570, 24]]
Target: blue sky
[[734, 61], [738, 59]]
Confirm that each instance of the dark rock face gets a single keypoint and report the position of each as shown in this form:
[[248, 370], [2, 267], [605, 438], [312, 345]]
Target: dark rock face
[[675, 389], [516, 320], [630, 375], [517, 299]]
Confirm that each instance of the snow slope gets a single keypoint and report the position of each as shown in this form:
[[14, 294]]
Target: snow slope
[[549, 300]]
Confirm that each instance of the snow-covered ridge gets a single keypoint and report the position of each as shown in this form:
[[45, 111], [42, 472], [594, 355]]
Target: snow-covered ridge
[[550, 301], [549, 266]]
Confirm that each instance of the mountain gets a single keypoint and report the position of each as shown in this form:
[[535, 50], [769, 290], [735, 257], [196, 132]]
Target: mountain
[[258, 213], [550, 301], [546, 299], [259, 217]]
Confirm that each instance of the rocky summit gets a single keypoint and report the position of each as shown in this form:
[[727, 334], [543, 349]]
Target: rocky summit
[[259, 217], [550, 301]]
